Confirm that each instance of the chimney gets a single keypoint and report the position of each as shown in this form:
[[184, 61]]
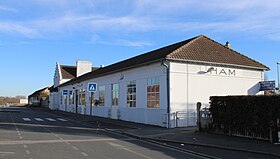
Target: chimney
[[227, 45], [83, 67]]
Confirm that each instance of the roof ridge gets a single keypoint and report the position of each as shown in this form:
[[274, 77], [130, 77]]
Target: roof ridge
[[67, 66], [185, 45], [236, 52]]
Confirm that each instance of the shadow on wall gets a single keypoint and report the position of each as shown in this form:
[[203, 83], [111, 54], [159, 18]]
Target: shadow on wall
[[254, 90]]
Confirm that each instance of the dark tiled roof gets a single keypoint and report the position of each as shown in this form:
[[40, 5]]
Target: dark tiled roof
[[205, 49], [70, 72], [197, 49]]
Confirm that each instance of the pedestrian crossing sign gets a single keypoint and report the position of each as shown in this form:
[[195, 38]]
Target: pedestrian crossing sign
[[92, 87]]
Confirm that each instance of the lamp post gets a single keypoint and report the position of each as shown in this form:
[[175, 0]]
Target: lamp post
[[278, 75]]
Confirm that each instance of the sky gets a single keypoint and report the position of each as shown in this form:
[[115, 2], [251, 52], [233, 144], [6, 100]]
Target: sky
[[35, 34]]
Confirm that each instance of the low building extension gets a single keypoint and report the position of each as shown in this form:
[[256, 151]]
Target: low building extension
[[39, 98]]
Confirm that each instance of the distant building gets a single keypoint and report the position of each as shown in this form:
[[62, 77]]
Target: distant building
[[39, 98], [23, 101], [163, 86], [64, 73]]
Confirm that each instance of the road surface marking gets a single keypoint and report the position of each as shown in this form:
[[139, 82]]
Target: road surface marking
[[75, 148], [26, 119], [16, 142], [61, 119], [121, 147], [38, 119], [20, 137], [84, 154], [7, 152], [50, 119], [27, 152], [25, 146]]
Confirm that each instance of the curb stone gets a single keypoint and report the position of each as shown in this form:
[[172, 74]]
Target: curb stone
[[202, 145]]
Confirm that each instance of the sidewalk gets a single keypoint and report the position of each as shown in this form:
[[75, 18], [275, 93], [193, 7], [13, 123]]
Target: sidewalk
[[187, 136]]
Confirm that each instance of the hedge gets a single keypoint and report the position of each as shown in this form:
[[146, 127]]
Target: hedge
[[255, 114]]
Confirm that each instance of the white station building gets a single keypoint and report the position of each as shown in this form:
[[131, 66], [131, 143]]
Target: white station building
[[162, 87]]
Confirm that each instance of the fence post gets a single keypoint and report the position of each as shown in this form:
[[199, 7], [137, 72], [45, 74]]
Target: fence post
[[198, 123]]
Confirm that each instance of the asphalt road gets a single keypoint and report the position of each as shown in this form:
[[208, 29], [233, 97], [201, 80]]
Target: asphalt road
[[27, 133]]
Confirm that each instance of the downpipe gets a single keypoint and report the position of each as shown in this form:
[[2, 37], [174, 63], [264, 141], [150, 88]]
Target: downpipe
[[168, 91]]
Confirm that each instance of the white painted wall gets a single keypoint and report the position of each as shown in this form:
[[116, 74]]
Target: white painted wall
[[140, 114], [57, 80], [189, 84], [23, 101], [53, 105], [57, 75]]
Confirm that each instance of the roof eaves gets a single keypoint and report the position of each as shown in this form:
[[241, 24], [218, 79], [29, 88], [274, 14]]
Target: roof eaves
[[88, 76], [215, 63]]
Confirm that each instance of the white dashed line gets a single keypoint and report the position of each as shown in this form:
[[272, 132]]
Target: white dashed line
[[25, 146], [26, 119], [84, 154], [27, 152], [20, 137], [50, 119], [38, 119], [75, 148], [7, 152], [61, 119]]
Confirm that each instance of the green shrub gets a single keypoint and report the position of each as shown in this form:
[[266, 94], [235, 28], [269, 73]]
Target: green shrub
[[253, 114]]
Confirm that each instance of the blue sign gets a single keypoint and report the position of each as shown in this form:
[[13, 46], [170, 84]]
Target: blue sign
[[64, 92], [92, 87], [267, 85]]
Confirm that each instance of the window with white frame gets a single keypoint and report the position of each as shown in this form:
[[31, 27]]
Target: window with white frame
[[101, 91], [153, 92], [131, 94], [82, 97], [115, 94]]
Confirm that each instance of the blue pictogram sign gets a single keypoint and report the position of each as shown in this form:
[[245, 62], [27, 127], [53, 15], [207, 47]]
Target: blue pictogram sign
[[92, 87]]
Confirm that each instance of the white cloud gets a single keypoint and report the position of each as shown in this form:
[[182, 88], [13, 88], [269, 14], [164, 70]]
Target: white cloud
[[120, 42], [240, 16], [11, 27], [7, 9]]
